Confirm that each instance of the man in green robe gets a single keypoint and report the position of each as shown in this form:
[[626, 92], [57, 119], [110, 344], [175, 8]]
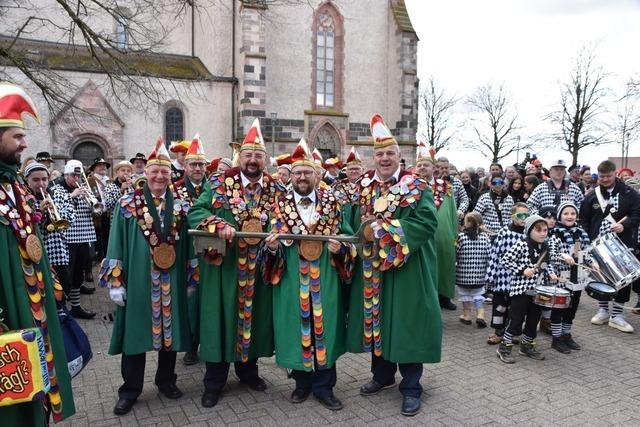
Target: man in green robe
[[393, 311], [26, 285], [145, 270], [309, 316], [236, 322]]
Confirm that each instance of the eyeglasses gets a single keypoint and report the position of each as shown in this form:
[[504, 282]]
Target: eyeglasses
[[521, 215], [497, 182], [307, 174], [197, 165]]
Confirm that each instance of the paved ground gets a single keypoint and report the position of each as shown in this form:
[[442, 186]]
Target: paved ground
[[598, 386]]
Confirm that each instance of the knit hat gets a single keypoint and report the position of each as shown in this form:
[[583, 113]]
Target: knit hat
[[547, 212], [530, 222], [35, 166], [565, 205]]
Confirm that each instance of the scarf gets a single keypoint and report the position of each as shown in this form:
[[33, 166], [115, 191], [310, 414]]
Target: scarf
[[536, 250], [8, 173], [516, 228], [571, 235]]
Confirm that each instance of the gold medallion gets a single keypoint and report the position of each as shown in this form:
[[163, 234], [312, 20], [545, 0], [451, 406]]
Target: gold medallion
[[34, 248], [164, 255], [380, 205], [310, 249], [252, 225]]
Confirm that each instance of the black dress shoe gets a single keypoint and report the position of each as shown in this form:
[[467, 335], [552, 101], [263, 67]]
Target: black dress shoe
[[256, 384], [447, 304], [88, 277], [123, 406], [80, 313], [86, 290], [170, 391], [410, 406], [190, 358], [330, 402], [210, 399], [373, 387], [299, 395]]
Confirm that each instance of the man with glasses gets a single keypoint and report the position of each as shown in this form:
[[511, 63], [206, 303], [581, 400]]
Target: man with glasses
[[236, 322], [557, 189], [495, 206]]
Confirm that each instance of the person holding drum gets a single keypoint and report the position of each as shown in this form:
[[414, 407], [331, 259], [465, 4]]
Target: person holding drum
[[571, 241], [529, 262], [613, 207]]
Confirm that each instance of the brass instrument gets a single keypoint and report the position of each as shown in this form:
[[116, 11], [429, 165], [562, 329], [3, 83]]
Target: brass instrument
[[97, 207], [140, 182], [56, 222]]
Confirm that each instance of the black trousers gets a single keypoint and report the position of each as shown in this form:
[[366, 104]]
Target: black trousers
[[102, 237], [132, 369], [215, 376], [623, 294], [320, 381], [384, 373], [499, 311], [523, 310], [64, 276], [566, 315], [79, 255]]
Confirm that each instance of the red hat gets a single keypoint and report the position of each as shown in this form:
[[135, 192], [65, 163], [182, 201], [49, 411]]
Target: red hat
[[381, 134], [212, 167], [334, 161], [253, 139], [317, 157], [195, 151], [283, 159], [301, 155], [425, 153], [159, 155], [180, 146], [14, 102], [627, 170], [353, 158]]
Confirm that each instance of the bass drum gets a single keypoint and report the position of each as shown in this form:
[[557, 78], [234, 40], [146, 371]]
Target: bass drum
[[600, 291]]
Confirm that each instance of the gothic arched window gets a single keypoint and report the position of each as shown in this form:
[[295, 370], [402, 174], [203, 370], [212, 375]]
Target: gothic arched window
[[173, 125], [328, 46]]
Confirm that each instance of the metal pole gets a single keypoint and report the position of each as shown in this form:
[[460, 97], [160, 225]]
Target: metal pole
[[274, 117], [518, 150]]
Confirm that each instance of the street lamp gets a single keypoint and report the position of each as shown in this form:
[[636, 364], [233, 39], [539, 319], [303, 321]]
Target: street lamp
[[274, 117], [518, 150]]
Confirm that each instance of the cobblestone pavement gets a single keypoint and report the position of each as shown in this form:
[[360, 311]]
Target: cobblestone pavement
[[597, 386]]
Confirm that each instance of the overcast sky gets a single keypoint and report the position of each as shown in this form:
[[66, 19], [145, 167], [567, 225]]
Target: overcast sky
[[530, 46]]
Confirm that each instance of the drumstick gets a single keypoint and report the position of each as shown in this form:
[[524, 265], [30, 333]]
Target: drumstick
[[597, 272], [622, 220]]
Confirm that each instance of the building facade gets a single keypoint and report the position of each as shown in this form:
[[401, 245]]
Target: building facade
[[317, 70]]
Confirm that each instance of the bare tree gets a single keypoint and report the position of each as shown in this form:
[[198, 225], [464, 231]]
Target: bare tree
[[494, 121], [626, 121], [438, 108], [578, 121]]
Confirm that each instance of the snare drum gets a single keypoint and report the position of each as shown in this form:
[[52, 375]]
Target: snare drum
[[552, 297], [600, 291], [618, 266]]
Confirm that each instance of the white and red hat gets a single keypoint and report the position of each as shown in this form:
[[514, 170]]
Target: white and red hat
[[426, 153], [159, 155], [353, 158], [381, 134], [333, 161], [317, 157], [253, 139], [14, 102], [195, 151], [302, 156]]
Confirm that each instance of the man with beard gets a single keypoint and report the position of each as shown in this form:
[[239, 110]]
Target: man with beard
[[190, 187], [393, 311], [555, 190], [145, 273], [235, 303], [447, 230], [305, 275], [613, 207], [26, 286]]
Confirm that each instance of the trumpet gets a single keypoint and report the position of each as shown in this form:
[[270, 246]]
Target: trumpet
[[140, 182], [97, 207], [56, 222]]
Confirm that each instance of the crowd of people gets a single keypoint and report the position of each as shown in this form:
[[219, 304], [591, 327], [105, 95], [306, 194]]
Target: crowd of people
[[417, 237]]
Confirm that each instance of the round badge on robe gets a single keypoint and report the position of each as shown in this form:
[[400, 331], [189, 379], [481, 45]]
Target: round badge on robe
[[164, 256], [34, 248], [380, 204], [252, 225], [311, 249]]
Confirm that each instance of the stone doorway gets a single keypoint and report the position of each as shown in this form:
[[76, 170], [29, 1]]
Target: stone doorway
[[86, 152]]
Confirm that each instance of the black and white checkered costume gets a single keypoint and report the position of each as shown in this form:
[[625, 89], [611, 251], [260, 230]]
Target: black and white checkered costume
[[460, 195], [487, 208], [561, 247], [547, 195], [55, 242], [82, 229], [472, 257], [498, 278], [522, 256]]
